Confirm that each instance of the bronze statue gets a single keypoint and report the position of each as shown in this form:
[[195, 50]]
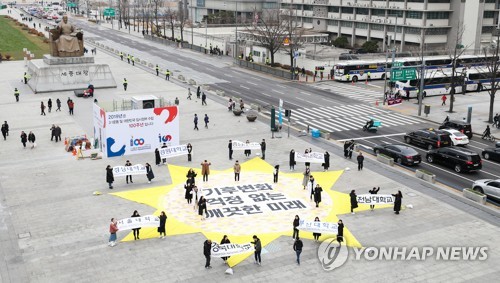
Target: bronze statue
[[65, 41]]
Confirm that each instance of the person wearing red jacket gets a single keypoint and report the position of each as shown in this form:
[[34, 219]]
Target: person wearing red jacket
[[113, 228]]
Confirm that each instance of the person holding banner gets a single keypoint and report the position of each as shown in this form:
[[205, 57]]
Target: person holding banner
[[109, 176], [248, 152], [326, 163], [136, 231], [276, 173], [157, 157], [297, 247], [307, 172], [164, 160], [317, 194], [292, 160], [112, 231], [311, 186], [191, 175], [296, 223], [205, 170], [397, 202], [237, 170], [354, 200], [307, 163], [195, 195], [207, 249], [202, 206], [373, 191], [189, 149], [149, 173], [316, 235], [163, 221], [128, 163], [340, 231], [258, 249], [225, 240]]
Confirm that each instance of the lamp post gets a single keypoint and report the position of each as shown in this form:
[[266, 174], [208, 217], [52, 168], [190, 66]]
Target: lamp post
[[387, 56]]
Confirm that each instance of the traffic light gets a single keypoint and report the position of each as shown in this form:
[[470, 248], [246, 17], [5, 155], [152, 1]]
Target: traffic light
[[288, 113]]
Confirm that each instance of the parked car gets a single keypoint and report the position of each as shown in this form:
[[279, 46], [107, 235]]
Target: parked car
[[458, 158], [457, 137], [428, 138], [347, 56], [492, 153], [462, 126], [401, 153], [488, 187]]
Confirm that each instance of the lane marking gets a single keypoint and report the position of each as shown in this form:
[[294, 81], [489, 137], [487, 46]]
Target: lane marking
[[242, 86], [305, 93], [227, 75], [372, 137], [260, 100], [278, 91], [236, 92], [252, 83], [268, 95], [281, 86], [308, 101]]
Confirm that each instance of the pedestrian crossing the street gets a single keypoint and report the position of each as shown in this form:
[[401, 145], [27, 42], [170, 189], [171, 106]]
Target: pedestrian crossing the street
[[348, 117], [352, 91]]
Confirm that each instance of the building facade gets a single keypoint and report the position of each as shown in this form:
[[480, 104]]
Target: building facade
[[245, 10], [406, 24]]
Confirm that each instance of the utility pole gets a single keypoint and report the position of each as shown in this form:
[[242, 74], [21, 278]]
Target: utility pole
[[236, 30], [421, 92]]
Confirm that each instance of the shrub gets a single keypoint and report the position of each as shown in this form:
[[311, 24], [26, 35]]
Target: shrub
[[7, 57], [286, 67], [25, 28], [41, 34], [309, 73], [45, 40], [277, 65], [341, 42]]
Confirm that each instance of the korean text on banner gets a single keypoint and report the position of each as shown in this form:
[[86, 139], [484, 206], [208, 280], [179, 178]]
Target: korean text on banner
[[237, 145], [138, 222], [230, 249], [318, 227], [375, 199], [137, 169], [173, 151], [313, 157]]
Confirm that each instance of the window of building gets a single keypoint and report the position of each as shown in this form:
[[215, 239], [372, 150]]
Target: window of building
[[438, 1], [347, 10], [489, 14], [307, 20], [490, 1], [377, 27], [378, 12], [332, 22], [413, 15], [437, 31], [437, 15], [412, 30], [394, 13], [362, 11], [267, 5], [487, 29], [416, 1], [361, 25], [308, 7], [346, 24], [333, 9]]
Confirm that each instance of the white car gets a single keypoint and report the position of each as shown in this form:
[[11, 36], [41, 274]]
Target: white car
[[488, 187], [457, 137]]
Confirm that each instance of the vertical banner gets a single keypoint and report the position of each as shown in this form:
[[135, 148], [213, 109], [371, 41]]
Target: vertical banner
[[139, 131], [280, 115], [99, 126]]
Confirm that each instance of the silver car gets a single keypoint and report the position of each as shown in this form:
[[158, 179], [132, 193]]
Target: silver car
[[488, 187]]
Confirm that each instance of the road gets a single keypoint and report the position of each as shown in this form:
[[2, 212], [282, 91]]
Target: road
[[339, 108]]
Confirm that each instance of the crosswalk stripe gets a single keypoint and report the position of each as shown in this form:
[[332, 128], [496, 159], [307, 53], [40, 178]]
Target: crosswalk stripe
[[386, 121], [307, 114], [371, 108], [298, 115], [346, 123], [417, 120], [334, 124], [401, 120], [323, 111], [321, 125]]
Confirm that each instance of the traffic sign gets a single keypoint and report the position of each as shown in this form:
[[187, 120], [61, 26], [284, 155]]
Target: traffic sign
[[286, 41], [398, 64], [403, 74], [109, 12]]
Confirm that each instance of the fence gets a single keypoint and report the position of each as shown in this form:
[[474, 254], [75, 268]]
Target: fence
[[285, 74]]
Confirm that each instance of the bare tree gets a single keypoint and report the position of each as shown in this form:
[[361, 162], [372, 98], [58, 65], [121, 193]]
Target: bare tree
[[181, 15], [171, 15], [493, 66], [293, 32], [271, 31], [455, 54], [156, 3]]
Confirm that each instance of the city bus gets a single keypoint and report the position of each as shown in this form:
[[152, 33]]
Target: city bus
[[435, 83], [480, 79]]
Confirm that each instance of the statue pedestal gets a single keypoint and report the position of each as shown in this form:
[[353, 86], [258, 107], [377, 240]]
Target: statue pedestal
[[68, 73]]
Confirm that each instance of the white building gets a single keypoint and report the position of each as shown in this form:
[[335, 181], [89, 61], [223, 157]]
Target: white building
[[245, 9]]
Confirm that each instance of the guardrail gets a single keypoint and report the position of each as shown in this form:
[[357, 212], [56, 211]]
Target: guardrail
[[285, 74]]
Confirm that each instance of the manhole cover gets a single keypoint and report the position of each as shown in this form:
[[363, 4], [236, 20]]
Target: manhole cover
[[24, 235]]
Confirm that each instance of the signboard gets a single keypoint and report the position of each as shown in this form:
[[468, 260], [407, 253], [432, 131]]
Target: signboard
[[225, 250], [403, 74], [109, 12], [286, 41], [238, 145], [137, 169], [313, 157], [375, 199], [318, 227], [173, 151], [394, 101]]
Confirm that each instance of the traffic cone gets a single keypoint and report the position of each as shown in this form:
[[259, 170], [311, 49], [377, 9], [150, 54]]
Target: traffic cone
[[74, 151], [66, 141]]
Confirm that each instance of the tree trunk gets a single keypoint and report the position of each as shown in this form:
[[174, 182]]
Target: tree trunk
[[492, 103], [172, 27], [182, 32]]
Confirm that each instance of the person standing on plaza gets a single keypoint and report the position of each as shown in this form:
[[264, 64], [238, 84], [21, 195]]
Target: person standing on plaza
[[5, 130], [125, 84], [53, 132], [297, 247], [32, 139], [354, 200], [42, 108], [306, 174], [128, 163], [157, 157], [112, 231], [191, 177], [316, 235], [207, 249], [164, 160], [195, 121], [296, 223], [58, 104], [176, 101], [109, 176], [24, 138], [340, 232], [136, 230], [237, 170], [258, 249], [292, 160], [326, 162], [202, 207], [317, 194], [230, 147], [242, 105], [373, 191], [205, 170], [16, 94], [167, 75], [157, 68], [149, 173], [58, 133], [247, 152], [198, 92], [189, 94], [225, 240], [307, 151], [203, 99], [311, 185], [128, 58], [263, 149], [71, 106], [443, 99], [398, 198], [276, 173], [161, 228], [190, 150], [206, 121], [360, 159], [49, 105]]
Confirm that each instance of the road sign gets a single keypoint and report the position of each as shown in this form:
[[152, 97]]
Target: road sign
[[398, 64], [403, 74], [286, 41], [109, 12]]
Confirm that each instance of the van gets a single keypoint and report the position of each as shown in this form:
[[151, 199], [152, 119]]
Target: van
[[462, 126]]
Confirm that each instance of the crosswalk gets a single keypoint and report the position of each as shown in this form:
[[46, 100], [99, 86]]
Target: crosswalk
[[352, 91], [348, 117]]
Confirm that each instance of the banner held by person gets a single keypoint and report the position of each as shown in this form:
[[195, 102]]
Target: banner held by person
[[237, 145], [375, 199], [137, 169], [138, 222], [318, 227], [230, 249], [173, 151], [313, 157]]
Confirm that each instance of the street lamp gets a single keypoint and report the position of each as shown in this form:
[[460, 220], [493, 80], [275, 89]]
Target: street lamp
[[387, 56]]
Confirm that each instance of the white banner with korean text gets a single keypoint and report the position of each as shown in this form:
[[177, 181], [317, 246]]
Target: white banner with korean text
[[137, 169], [138, 222], [238, 145], [375, 199], [318, 227], [230, 249], [173, 151], [313, 157]]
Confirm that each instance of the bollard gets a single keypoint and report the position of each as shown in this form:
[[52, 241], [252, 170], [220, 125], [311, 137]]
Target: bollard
[[314, 78], [306, 79]]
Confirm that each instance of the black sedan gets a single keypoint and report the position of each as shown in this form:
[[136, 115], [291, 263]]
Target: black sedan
[[401, 153], [492, 153]]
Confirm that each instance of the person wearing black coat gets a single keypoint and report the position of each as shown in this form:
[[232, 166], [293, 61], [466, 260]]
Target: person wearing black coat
[[207, 249], [326, 163], [297, 247], [136, 231], [53, 132], [317, 194], [354, 201], [296, 223], [373, 191], [292, 160], [31, 139], [397, 202], [191, 175], [157, 157], [188, 194], [225, 240], [202, 206], [198, 92], [360, 159], [58, 133], [109, 176], [149, 173], [276, 173], [230, 147], [347, 144], [340, 232], [161, 228], [316, 235], [189, 149]]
